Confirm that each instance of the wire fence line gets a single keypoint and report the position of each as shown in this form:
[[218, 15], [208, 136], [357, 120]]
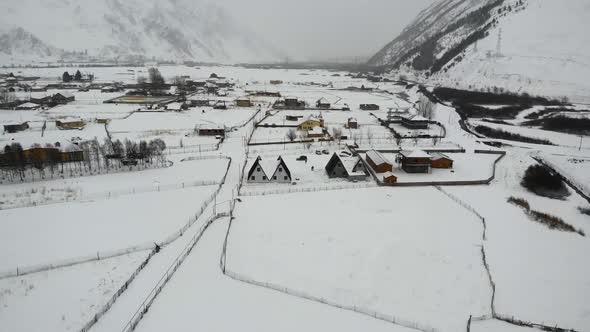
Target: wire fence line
[[357, 309], [161, 283], [103, 310], [494, 315], [291, 190]]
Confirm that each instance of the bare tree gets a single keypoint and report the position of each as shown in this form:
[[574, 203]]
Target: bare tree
[[337, 133], [156, 78], [370, 135], [426, 107], [180, 82], [7, 96], [291, 135]]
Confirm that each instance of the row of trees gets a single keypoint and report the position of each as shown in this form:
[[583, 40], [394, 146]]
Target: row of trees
[[15, 164], [77, 77]]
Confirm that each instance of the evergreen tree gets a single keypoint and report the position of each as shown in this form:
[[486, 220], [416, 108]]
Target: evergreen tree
[[66, 77], [78, 76]]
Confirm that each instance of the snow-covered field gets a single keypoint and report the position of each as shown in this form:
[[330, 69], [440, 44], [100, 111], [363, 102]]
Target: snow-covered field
[[59, 232], [64, 299], [410, 253], [423, 263]]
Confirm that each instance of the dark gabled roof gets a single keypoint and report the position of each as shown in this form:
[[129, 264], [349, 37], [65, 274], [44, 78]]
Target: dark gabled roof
[[334, 161], [282, 163], [257, 164]]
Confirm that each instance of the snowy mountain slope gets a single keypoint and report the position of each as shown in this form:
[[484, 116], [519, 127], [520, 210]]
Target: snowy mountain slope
[[534, 46], [167, 29]]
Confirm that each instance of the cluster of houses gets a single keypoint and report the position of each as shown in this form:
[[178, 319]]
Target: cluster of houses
[[272, 171], [416, 161], [63, 124], [34, 103], [277, 171]]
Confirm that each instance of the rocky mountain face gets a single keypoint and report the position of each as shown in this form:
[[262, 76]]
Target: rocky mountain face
[[115, 29], [534, 46]]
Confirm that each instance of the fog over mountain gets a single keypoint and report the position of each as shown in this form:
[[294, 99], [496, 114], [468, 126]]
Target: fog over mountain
[[224, 31]]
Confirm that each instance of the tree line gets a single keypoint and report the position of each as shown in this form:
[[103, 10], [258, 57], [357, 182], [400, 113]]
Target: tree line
[[89, 158]]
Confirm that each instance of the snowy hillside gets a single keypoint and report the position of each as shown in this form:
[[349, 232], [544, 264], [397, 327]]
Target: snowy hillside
[[534, 46], [114, 29]]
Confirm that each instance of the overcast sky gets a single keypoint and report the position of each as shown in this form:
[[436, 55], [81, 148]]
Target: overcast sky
[[322, 29]]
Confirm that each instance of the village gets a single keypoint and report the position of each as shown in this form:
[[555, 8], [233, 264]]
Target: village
[[181, 184]]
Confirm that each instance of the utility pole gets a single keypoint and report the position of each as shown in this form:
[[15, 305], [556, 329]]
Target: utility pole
[[581, 139], [499, 45]]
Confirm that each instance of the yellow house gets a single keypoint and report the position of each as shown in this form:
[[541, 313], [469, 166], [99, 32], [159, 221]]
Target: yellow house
[[310, 123]]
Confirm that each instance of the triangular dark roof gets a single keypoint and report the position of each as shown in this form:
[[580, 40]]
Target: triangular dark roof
[[334, 161], [257, 164], [282, 163]]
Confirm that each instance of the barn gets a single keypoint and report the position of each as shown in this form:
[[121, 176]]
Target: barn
[[378, 162]]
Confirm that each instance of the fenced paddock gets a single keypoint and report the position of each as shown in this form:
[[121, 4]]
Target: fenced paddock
[[336, 227]]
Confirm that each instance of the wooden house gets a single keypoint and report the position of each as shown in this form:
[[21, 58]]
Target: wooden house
[[70, 124], [378, 162], [416, 161], [276, 82], [369, 107], [15, 127], [440, 160], [323, 103], [415, 122], [211, 131]]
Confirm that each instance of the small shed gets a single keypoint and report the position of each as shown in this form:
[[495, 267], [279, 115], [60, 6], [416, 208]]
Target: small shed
[[389, 178], [441, 161], [352, 123], [243, 102], [369, 107], [323, 103], [15, 127]]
